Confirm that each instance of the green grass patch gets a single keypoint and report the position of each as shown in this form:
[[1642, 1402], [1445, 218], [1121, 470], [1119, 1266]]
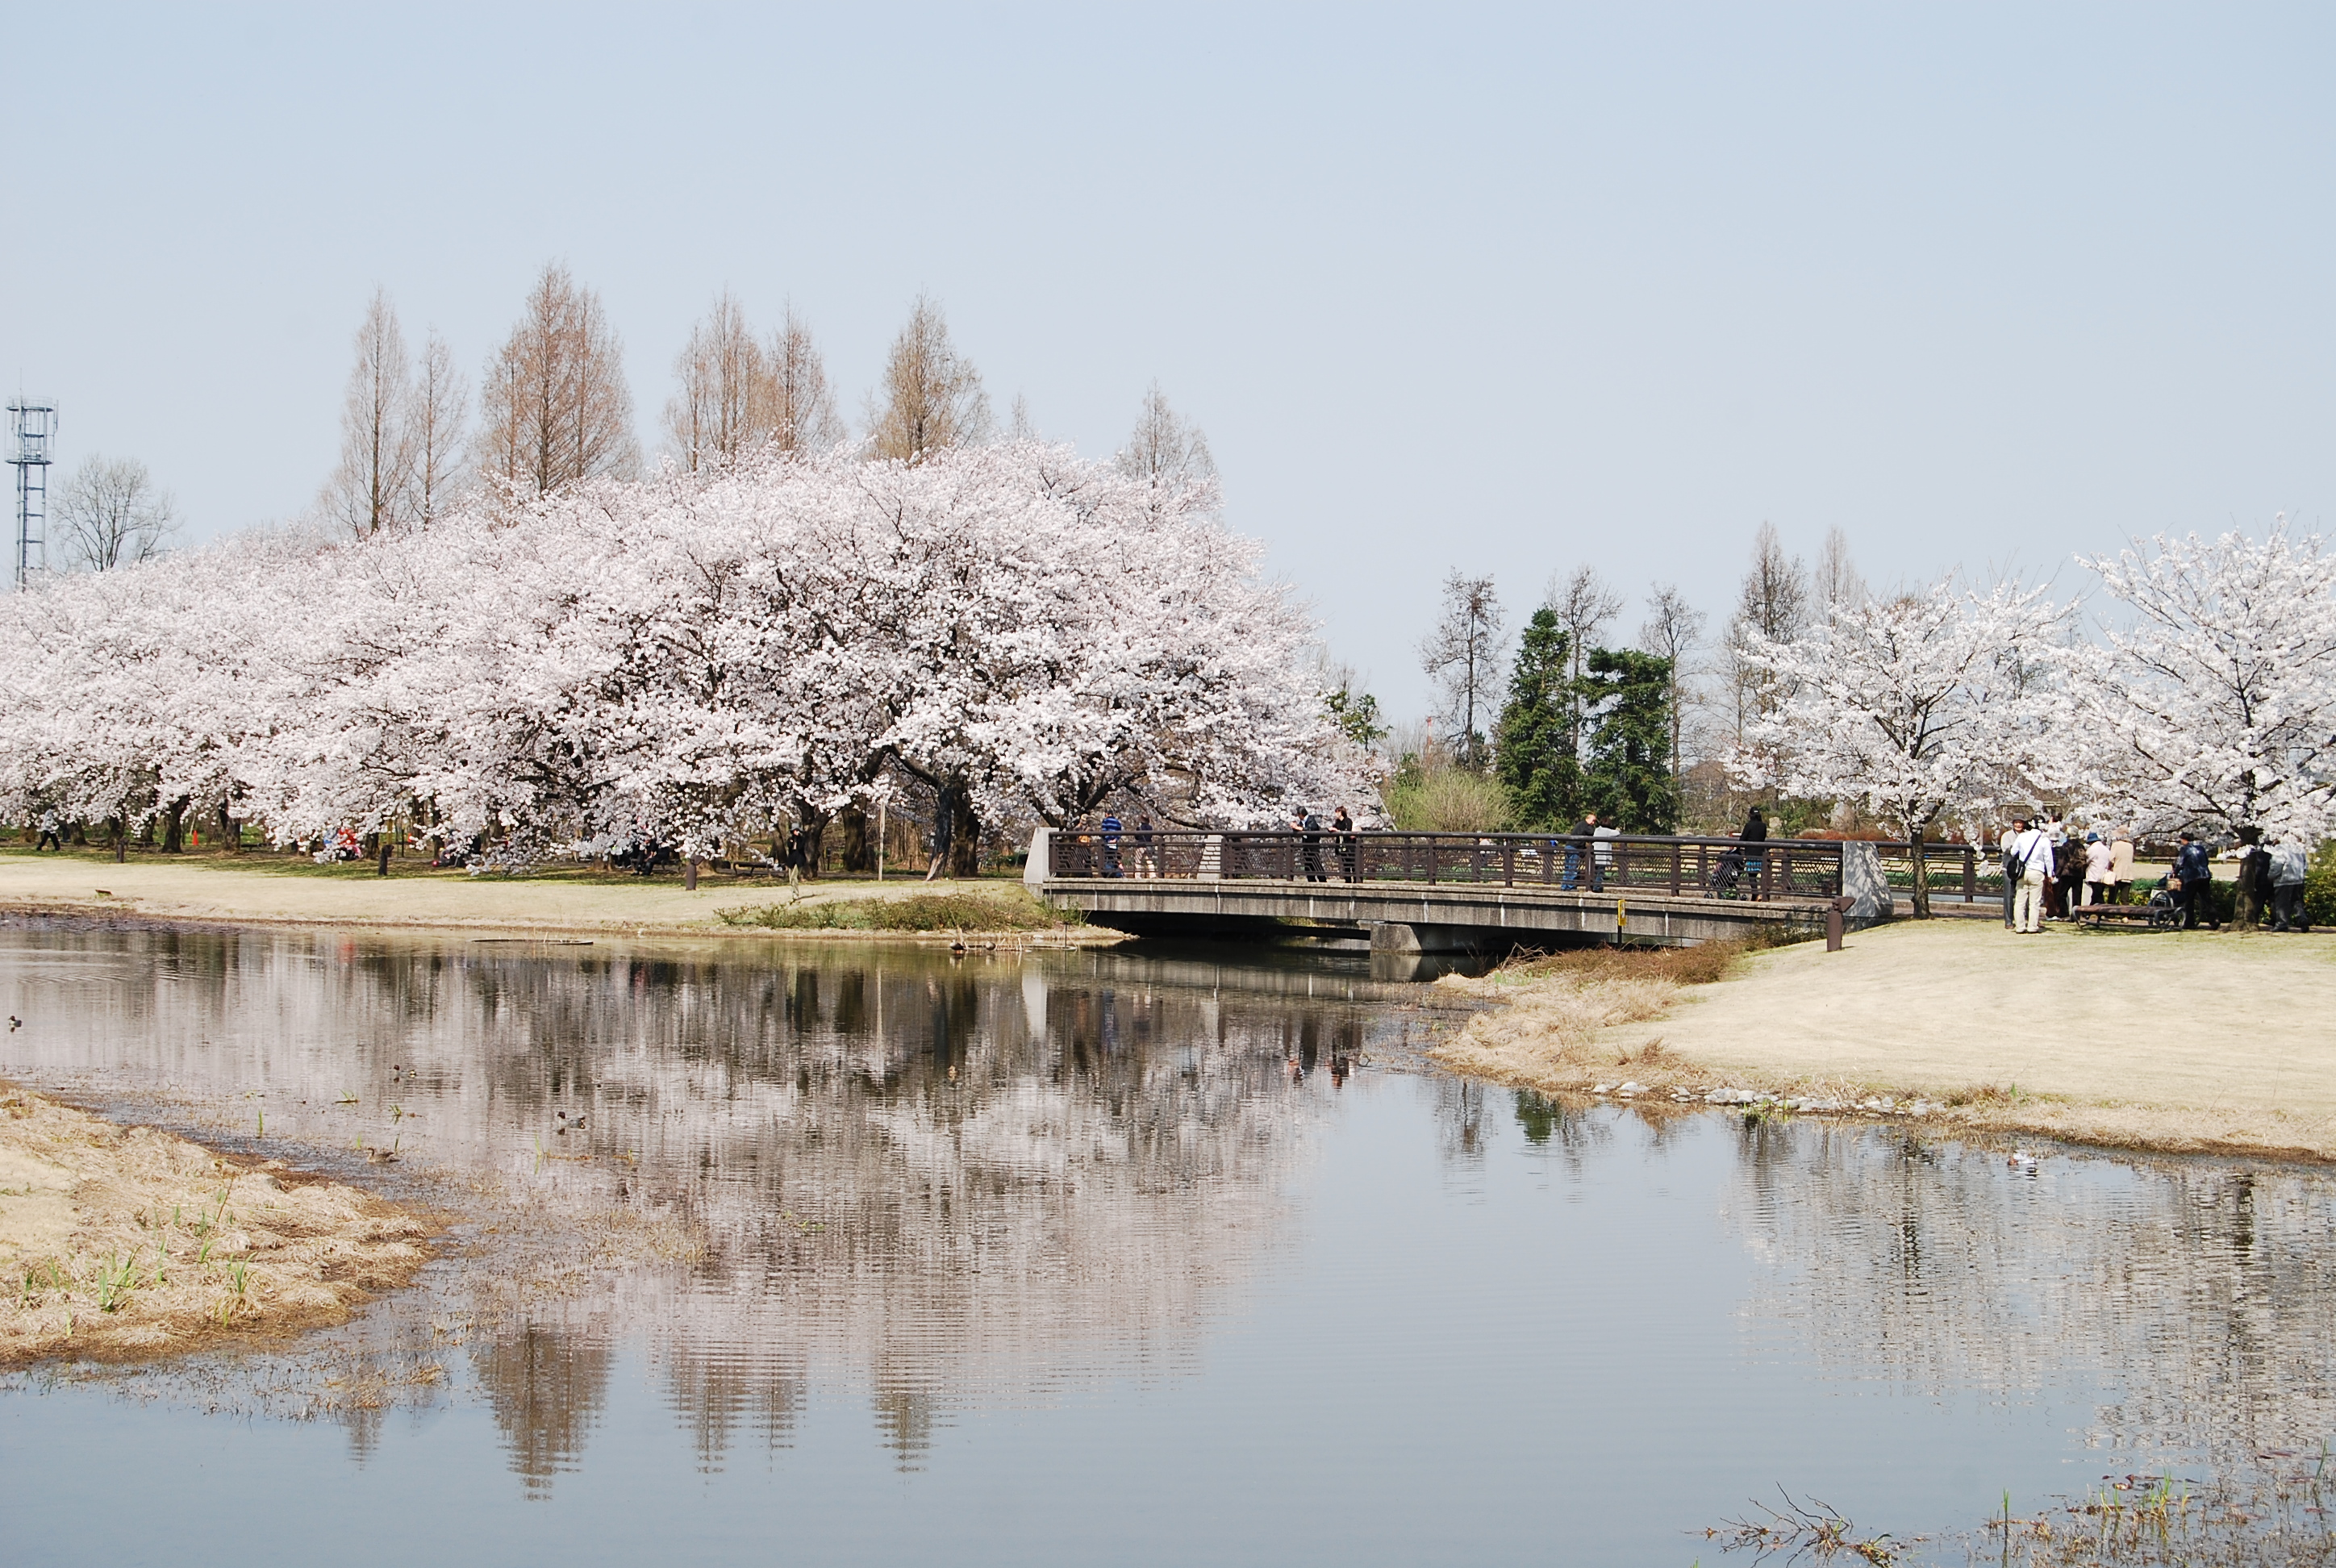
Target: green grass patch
[[950, 912]]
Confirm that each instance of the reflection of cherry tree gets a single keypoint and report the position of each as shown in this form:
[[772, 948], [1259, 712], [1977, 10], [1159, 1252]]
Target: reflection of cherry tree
[[2197, 1296], [954, 1184]]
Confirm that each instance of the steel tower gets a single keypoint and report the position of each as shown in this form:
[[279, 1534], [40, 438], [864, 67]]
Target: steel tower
[[36, 423]]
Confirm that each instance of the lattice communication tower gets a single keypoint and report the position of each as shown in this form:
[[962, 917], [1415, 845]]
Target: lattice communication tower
[[36, 426]]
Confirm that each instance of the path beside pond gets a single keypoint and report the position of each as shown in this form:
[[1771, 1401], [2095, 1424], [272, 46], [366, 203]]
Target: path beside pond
[[2201, 1041], [272, 890]]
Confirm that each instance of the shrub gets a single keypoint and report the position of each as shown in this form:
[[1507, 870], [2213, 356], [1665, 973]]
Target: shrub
[[918, 912], [1447, 800]]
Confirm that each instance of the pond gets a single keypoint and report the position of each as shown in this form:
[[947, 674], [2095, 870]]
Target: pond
[[1136, 1255]]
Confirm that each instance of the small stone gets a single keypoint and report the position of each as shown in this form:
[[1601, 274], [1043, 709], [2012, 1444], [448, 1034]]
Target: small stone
[[1634, 1088], [1603, 1088]]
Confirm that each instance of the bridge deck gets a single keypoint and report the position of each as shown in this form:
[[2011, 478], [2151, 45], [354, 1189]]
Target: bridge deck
[[1410, 916]]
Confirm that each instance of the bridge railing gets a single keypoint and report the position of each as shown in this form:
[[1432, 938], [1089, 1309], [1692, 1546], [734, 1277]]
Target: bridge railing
[[1629, 862]]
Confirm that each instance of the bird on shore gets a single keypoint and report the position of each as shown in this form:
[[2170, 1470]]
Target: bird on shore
[[567, 1126], [15, 1023]]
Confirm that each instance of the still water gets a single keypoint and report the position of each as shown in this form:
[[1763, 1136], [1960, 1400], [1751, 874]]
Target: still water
[[1128, 1256]]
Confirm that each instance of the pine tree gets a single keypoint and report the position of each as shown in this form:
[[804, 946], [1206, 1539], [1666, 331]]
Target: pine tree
[[1533, 751], [1629, 779]]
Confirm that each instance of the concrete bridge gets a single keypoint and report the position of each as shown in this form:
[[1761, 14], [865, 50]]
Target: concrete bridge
[[1418, 893]]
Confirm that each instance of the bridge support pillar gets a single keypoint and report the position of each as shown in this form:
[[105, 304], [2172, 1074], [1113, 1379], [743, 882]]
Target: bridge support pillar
[[1403, 936]]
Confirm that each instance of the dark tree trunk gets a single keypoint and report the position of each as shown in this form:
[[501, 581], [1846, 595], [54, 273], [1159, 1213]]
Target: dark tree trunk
[[231, 830], [855, 844], [689, 874], [965, 835], [120, 840], [174, 828], [1922, 877], [2247, 894]]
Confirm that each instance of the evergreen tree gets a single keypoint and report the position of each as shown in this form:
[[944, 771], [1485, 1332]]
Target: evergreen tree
[[1629, 779], [1533, 751]]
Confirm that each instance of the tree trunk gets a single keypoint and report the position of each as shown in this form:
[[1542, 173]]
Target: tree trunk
[[965, 835], [120, 840], [174, 828], [689, 874], [854, 846], [1922, 875], [231, 830]]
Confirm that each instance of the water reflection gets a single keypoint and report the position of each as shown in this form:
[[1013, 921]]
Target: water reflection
[[2200, 1294], [943, 1186], [952, 1183]]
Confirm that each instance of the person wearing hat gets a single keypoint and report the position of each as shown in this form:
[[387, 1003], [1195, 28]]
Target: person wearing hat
[[2196, 876], [2100, 872]]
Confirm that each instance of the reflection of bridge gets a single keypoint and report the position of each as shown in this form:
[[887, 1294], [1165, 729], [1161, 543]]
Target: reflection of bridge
[[1446, 892]]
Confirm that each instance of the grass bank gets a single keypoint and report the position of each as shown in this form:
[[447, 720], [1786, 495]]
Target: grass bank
[[125, 1244], [270, 890], [2181, 1042], [979, 910]]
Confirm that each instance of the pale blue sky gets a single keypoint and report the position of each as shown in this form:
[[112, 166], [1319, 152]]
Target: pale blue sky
[[1501, 289]]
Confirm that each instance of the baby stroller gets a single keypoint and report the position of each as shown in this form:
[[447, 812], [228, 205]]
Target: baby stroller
[[1727, 874], [2164, 907]]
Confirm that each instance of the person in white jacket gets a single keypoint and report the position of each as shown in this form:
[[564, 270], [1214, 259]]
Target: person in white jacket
[[2100, 869], [2031, 859]]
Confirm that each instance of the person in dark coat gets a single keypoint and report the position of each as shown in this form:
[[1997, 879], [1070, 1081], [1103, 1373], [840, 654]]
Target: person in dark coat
[[1344, 826], [1578, 844], [1755, 838], [2196, 875]]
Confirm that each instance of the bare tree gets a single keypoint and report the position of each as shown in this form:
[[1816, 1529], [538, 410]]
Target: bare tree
[[802, 416], [110, 514], [1584, 605], [1773, 604], [1463, 655], [1835, 583], [368, 490], [723, 405], [932, 396], [554, 407], [1672, 631], [434, 422], [1018, 424], [1163, 448]]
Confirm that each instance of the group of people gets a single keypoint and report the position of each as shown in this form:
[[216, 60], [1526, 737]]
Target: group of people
[[2049, 874]]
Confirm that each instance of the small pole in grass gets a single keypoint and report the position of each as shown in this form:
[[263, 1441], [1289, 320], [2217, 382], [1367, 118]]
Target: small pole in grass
[[1622, 920], [879, 838]]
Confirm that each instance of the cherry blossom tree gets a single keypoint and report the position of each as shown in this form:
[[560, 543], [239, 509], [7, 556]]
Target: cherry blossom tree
[[690, 659], [2211, 702], [1920, 705]]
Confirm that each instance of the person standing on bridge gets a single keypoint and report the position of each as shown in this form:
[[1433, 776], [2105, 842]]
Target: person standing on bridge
[[1754, 837], [1578, 839], [1344, 826]]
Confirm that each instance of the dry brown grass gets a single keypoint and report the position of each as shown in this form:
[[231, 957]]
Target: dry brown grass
[[1546, 1036], [1566, 1023], [123, 1243]]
